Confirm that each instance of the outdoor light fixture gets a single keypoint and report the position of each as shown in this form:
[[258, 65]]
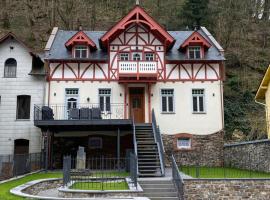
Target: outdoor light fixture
[[54, 94], [120, 94], [88, 99]]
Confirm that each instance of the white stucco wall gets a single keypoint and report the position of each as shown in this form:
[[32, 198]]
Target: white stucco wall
[[23, 84], [182, 121]]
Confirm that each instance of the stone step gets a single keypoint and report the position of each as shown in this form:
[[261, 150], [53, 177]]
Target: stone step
[[159, 190], [156, 182], [161, 194], [150, 186], [164, 198]]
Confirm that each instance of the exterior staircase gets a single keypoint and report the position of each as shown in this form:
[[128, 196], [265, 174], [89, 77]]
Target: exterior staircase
[[159, 189], [149, 163]]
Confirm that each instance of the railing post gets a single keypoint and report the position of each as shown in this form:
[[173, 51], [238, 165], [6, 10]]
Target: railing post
[[66, 169]]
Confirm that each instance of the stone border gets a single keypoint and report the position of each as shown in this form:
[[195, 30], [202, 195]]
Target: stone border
[[18, 191], [247, 142], [21, 176]]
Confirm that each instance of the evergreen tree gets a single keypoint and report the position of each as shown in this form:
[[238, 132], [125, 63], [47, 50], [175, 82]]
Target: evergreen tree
[[195, 13]]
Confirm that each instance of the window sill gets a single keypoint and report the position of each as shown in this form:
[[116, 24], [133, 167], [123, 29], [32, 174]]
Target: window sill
[[184, 149], [199, 113], [170, 113], [22, 120], [9, 77]]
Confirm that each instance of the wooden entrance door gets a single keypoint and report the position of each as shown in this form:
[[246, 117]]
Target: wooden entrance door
[[136, 104]]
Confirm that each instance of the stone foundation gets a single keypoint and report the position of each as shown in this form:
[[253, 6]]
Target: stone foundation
[[227, 189], [253, 155], [206, 150]]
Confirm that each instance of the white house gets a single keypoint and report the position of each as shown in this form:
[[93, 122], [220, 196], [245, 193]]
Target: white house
[[99, 83], [22, 85]]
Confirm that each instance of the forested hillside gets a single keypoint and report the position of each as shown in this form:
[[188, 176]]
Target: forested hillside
[[242, 28]]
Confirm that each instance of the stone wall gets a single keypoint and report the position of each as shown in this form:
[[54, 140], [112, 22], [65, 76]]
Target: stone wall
[[206, 150], [227, 189], [254, 155]]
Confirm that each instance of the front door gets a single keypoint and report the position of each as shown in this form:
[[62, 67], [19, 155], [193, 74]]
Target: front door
[[136, 102]]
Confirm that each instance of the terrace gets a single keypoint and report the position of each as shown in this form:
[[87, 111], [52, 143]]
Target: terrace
[[80, 117]]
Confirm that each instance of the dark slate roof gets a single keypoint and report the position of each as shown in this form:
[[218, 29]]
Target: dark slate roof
[[59, 51], [180, 37]]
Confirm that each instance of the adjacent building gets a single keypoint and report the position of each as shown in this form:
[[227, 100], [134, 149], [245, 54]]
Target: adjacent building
[[113, 92], [22, 85], [263, 97]]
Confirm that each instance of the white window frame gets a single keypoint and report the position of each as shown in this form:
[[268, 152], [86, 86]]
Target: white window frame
[[124, 56], [198, 104], [139, 53], [194, 52], [77, 48], [104, 99], [179, 146], [149, 55], [167, 101], [67, 96]]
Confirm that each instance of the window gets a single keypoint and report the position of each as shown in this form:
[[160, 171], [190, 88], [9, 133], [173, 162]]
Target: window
[[72, 91], [184, 143], [124, 56], [198, 100], [23, 107], [10, 68], [194, 52], [95, 143], [105, 100], [167, 100], [137, 56], [149, 56], [81, 52]]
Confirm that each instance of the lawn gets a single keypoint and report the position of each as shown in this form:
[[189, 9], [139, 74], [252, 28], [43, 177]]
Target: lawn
[[5, 187], [100, 186], [219, 172]]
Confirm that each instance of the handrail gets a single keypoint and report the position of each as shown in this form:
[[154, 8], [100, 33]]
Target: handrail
[[158, 140], [177, 179], [135, 141]]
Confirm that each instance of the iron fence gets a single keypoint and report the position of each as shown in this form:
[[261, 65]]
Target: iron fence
[[19, 164], [79, 112], [251, 163], [177, 179], [100, 173]]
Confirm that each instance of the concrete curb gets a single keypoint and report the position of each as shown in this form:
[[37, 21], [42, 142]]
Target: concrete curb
[[18, 192], [21, 176]]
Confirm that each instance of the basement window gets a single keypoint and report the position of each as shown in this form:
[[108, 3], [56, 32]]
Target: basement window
[[184, 143]]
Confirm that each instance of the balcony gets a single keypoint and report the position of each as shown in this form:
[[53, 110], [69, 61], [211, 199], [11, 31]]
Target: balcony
[[138, 69], [82, 117]]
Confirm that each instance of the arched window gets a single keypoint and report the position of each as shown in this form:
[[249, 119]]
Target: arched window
[[10, 68]]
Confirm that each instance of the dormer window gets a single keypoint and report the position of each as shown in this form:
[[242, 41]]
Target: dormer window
[[81, 51], [194, 52]]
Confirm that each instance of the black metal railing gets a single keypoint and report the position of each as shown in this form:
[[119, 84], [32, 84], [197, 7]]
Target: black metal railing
[[100, 173], [79, 112], [177, 179], [135, 142], [158, 140], [19, 164]]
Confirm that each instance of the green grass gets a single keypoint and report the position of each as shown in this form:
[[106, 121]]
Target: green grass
[[218, 172], [100, 186], [5, 187]]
